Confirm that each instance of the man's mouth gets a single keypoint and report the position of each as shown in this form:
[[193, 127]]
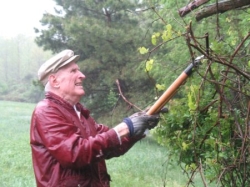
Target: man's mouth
[[78, 84]]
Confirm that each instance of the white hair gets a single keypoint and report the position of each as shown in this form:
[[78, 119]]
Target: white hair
[[47, 87]]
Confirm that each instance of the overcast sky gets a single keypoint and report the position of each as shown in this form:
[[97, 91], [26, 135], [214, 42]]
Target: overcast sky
[[21, 16]]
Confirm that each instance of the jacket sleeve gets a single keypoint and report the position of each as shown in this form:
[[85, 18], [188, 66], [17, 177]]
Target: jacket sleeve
[[120, 149], [65, 142]]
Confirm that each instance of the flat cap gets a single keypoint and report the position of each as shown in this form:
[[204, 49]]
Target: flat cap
[[56, 62]]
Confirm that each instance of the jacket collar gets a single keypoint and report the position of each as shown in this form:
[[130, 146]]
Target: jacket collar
[[57, 99]]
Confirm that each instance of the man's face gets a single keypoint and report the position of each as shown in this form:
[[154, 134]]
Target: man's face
[[70, 80]]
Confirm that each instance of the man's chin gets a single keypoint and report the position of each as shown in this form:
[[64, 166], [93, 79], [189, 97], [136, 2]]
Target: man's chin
[[82, 93]]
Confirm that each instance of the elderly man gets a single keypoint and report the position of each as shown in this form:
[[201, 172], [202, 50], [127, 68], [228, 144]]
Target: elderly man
[[68, 147]]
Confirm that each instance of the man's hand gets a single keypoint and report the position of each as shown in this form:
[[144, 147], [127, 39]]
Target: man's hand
[[139, 122]]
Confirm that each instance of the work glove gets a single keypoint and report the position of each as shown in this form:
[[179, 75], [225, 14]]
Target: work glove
[[139, 122]]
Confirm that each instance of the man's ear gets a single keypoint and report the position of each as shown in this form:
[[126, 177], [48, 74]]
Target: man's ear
[[53, 81]]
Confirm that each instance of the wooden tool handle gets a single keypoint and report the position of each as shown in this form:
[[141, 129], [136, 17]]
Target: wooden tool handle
[[168, 94], [172, 89]]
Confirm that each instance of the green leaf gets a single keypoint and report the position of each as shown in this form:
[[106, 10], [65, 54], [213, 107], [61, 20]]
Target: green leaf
[[169, 27], [153, 40], [142, 50], [160, 87], [149, 65], [155, 37], [167, 34], [216, 46], [184, 146]]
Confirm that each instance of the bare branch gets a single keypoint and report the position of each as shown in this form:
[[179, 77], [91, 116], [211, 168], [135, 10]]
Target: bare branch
[[124, 98]]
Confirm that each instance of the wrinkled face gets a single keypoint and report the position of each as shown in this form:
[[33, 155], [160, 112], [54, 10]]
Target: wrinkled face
[[69, 81]]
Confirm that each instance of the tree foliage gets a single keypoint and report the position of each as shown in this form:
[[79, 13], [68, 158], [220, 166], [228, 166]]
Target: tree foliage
[[20, 59], [106, 34], [208, 122]]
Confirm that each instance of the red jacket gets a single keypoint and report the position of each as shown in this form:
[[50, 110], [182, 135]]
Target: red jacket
[[68, 151]]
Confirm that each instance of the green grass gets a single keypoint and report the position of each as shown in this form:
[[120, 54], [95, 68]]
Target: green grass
[[146, 164], [15, 166]]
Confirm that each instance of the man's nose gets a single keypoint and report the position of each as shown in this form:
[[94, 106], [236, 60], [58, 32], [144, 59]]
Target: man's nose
[[82, 76]]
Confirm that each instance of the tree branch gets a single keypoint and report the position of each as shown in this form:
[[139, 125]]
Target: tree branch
[[209, 10], [124, 98], [191, 6], [223, 6]]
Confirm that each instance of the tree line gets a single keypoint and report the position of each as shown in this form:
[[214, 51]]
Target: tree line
[[20, 59]]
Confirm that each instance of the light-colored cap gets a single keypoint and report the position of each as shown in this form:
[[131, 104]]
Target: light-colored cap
[[56, 62]]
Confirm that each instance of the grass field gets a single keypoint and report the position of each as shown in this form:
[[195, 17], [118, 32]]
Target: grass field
[[146, 164]]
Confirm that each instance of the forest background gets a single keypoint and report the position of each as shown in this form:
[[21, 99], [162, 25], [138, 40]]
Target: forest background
[[145, 45]]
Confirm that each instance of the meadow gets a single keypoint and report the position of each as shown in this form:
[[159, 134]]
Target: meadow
[[146, 164]]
